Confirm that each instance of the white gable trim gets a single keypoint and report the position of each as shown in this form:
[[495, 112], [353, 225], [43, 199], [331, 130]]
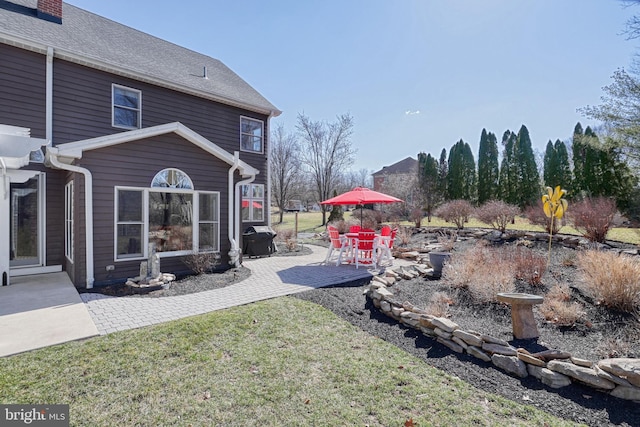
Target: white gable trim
[[73, 150]]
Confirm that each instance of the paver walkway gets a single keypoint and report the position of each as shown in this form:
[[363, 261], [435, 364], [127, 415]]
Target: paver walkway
[[270, 277]]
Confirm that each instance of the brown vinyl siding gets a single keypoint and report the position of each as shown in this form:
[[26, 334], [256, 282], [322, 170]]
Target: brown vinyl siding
[[134, 164], [22, 89], [82, 109]]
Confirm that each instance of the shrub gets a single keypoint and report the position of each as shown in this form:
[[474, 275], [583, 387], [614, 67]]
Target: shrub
[[496, 213], [536, 216], [558, 309], [403, 236], [370, 218], [455, 211], [336, 213], [447, 240], [416, 216], [593, 217], [529, 266], [438, 304], [342, 226], [613, 279], [485, 272], [203, 262]]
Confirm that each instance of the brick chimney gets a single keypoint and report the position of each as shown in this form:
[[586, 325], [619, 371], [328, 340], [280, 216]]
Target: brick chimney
[[50, 10]]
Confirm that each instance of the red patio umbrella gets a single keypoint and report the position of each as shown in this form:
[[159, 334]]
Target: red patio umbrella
[[360, 196], [245, 204]]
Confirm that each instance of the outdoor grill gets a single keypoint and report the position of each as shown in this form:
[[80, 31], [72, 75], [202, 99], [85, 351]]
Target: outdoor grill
[[258, 241]]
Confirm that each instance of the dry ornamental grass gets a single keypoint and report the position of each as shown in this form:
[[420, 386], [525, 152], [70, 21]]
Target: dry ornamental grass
[[613, 279]]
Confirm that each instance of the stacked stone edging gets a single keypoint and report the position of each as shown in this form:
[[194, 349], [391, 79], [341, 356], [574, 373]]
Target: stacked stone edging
[[619, 377], [566, 240]]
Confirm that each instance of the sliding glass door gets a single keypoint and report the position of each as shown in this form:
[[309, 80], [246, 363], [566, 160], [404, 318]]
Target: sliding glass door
[[26, 222]]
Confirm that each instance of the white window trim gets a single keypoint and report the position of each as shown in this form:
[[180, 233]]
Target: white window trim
[[196, 214], [145, 221], [251, 199], [145, 224], [113, 107], [68, 220], [263, 135]]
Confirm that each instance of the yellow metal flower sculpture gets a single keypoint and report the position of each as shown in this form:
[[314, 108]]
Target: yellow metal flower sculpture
[[554, 207]]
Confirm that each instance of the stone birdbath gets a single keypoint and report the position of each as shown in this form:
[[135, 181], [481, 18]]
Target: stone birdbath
[[523, 323]]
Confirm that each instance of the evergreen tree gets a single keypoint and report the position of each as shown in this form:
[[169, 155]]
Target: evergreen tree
[[470, 178], [428, 169], [488, 170], [461, 174], [508, 177], [528, 177], [579, 157], [454, 171], [443, 169], [550, 166], [557, 170], [336, 211], [565, 179]]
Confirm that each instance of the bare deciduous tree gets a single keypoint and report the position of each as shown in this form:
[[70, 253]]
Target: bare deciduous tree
[[285, 167], [327, 152]]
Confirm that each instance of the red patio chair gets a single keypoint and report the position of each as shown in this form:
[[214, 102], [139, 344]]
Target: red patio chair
[[366, 248], [339, 245], [384, 247], [354, 229]]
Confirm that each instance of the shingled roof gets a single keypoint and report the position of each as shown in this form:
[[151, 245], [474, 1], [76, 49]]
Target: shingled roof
[[91, 40], [408, 165]]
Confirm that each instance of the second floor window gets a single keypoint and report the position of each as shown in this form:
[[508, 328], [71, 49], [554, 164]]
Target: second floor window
[[127, 107], [251, 135]]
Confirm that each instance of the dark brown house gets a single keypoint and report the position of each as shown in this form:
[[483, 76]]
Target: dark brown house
[[113, 142]]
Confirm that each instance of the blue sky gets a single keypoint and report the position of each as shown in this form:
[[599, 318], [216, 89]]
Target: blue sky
[[416, 75]]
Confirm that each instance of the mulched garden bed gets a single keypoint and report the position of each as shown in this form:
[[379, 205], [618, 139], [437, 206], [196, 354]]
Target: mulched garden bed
[[598, 335]]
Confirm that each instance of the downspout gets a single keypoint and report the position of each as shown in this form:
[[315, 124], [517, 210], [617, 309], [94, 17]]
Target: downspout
[[49, 97], [5, 183], [88, 210], [234, 252], [268, 198], [238, 219]]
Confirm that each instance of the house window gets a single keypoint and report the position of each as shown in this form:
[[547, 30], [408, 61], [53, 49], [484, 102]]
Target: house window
[[172, 178], [174, 217], [68, 220], [253, 203], [129, 224], [251, 135], [208, 222], [127, 107], [171, 221]]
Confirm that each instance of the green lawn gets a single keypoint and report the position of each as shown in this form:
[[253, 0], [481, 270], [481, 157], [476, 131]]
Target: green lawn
[[310, 222], [281, 362]]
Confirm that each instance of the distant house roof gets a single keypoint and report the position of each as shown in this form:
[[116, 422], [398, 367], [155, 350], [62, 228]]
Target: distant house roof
[[91, 40], [408, 165]]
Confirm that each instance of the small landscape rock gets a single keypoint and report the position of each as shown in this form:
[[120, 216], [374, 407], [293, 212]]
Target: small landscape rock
[[623, 367], [452, 345], [476, 352], [580, 373], [510, 364], [627, 393], [499, 349], [445, 324]]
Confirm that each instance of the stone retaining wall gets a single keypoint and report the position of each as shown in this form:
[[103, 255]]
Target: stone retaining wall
[[620, 376]]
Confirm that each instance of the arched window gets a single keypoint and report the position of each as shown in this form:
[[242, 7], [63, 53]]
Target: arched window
[[177, 219], [172, 178]]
